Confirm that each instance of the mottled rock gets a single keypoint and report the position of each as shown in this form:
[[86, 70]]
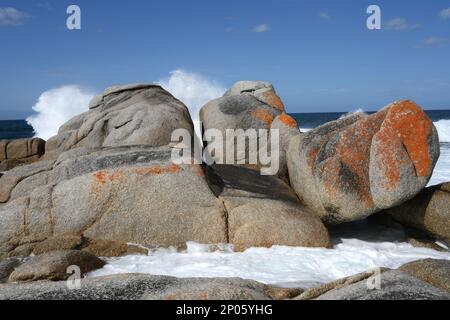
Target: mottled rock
[[318, 291], [23, 148], [434, 272], [130, 195], [103, 248], [10, 179], [212, 289], [287, 128], [137, 287], [22, 251], [242, 108], [7, 267], [53, 266], [353, 167], [395, 285], [263, 211], [19, 152], [263, 91], [3, 144], [429, 211], [57, 243], [426, 243], [277, 293]]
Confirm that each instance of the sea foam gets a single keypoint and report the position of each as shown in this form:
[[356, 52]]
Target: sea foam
[[56, 106], [193, 90], [443, 128], [357, 248]]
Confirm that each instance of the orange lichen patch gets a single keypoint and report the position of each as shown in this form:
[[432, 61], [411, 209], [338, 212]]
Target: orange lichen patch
[[262, 115], [199, 171], [391, 157], [410, 124], [157, 170], [312, 155], [103, 176], [354, 153], [115, 176], [288, 121], [271, 98], [403, 138], [329, 172], [100, 176]]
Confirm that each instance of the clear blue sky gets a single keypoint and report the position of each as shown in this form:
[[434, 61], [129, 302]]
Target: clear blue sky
[[318, 54]]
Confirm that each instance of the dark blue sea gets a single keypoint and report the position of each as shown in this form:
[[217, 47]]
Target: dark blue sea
[[15, 129]]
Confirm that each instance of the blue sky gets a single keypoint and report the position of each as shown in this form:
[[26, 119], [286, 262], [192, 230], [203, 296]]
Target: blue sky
[[318, 54]]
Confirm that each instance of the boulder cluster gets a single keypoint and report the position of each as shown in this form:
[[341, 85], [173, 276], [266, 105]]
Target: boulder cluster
[[107, 179]]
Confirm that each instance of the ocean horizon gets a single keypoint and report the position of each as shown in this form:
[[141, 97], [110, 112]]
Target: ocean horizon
[[19, 128]]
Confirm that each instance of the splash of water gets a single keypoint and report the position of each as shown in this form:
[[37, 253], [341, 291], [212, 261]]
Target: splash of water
[[56, 106]]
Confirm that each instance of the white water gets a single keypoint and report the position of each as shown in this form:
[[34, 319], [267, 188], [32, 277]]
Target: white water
[[358, 247], [441, 172], [193, 90], [443, 128], [56, 106]]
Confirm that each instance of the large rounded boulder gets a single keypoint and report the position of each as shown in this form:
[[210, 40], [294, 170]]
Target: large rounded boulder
[[138, 114], [249, 105], [353, 167]]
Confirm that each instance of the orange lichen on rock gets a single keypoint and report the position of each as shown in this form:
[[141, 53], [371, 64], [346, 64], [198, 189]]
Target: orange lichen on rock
[[273, 100], [100, 176], [103, 176], [262, 115], [157, 170], [199, 171], [410, 123], [115, 176], [354, 153], [312, 155], [329, 172], [406, 127], [288, 121]]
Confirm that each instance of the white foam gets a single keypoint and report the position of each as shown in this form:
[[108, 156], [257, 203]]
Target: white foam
[[441, 172], [358, 248], [56, 106], [193, 90], [351, 113], [443, 128]]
